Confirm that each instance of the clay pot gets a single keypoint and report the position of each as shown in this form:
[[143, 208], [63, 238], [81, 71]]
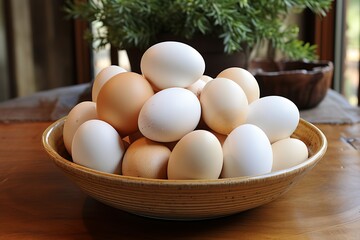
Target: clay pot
[[305, 83]]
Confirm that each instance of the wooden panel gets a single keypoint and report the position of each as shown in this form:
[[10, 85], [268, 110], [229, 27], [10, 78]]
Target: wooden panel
[[321, 32], [82, 53], [9, 31], [324, 35], [4, 73], [53, 45], [23, 51], [45, 49]]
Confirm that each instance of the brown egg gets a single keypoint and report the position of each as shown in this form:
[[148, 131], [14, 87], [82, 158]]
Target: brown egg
[[120, 100], [147, 159]]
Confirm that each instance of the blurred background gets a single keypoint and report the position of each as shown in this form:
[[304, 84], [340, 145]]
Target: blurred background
[[41, 49]]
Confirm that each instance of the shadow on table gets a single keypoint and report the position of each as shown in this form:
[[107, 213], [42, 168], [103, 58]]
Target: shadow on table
[[105, 222]]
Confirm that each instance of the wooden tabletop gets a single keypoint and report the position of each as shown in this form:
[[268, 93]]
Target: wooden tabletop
[[37, 201]]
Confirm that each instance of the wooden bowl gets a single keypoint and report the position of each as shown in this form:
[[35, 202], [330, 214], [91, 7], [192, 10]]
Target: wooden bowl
[[184, 199], [304, 83]]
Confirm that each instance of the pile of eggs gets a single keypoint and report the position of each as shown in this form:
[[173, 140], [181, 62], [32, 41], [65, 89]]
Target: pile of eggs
[[173, 122]]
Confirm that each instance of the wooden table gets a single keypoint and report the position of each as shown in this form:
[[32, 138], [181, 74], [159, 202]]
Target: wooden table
[[37, 201]]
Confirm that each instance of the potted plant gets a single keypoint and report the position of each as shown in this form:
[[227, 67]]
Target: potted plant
[[224, 32], [229, 26]]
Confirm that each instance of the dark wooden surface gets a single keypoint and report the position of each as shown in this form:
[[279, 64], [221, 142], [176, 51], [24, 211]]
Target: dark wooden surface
[[37, 201]]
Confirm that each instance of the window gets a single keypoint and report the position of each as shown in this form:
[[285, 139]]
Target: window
[[350, 87]]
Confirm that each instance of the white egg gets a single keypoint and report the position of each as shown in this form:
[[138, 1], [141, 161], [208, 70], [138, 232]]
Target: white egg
[[247, 152], [169, 115], [277, 116], [172, 64], [245, 80], [288, 152], [224, 105], [198, 155], [97, 145], [79, 114], [102, 77]]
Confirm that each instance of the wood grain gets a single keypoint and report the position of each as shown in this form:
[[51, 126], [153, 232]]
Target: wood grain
[[37, 201]]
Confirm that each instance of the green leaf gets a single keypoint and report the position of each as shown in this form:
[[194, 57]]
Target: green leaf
[[136, 23]]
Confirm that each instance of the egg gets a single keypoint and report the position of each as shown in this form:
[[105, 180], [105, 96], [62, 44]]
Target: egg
[[97, 145], [245, 80], [198, 155], [197, 87], [102, 77], [147, 159], [277, 116], [206, 78], [224, 105], [169, 115], [247, 152], [172, 64], [288, 152], [79, 114], [120, 100]]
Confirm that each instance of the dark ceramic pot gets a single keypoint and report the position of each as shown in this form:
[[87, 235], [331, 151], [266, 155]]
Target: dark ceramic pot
[[304, 83]]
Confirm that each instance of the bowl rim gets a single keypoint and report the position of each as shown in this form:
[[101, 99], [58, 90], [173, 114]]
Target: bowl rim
[[57, 158], [324, 66]]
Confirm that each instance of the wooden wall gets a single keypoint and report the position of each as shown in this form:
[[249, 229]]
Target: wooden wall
[[4, 73], [41, 47]]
